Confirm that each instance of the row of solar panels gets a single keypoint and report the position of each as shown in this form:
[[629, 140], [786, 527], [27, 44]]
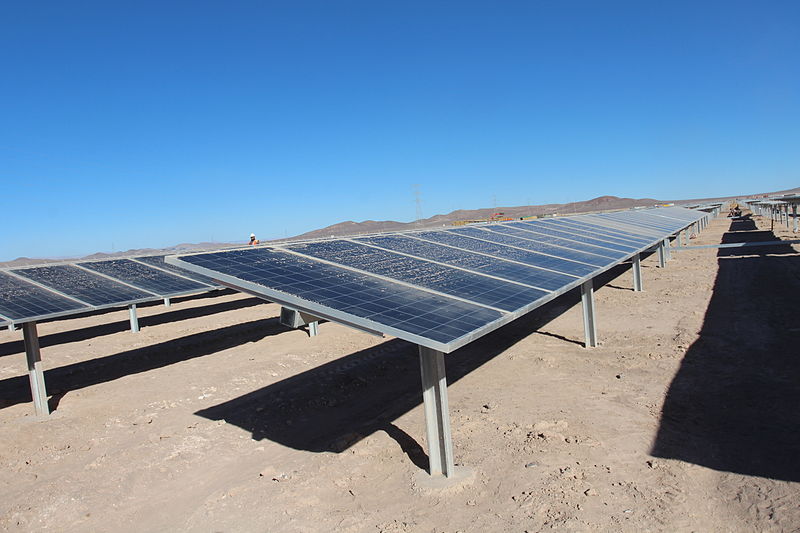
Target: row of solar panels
[[30, 294], [441, 288]]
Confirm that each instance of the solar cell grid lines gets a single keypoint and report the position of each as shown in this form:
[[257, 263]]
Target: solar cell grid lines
[[581, 225], [145, 277], [86, 286], [293, 280], [444, 279], [541, 260], [158, 262], [21, 300], [475, 262], [588, 259], [564, 233], [572, 242]]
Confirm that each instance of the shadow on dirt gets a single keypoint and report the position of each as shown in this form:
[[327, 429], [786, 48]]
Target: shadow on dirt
[[331, 407], [62, 380], [733, 404], [53, 339]]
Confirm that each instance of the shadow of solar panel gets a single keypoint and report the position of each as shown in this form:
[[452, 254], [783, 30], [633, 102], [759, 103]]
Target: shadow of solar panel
[[495, 249], [90, 288], [145, 277], [277, 275], [535, 246], [158, 261], [447, 280], [528, 274], [22, 301]]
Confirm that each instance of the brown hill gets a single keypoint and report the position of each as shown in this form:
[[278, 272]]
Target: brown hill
[[602, 203]]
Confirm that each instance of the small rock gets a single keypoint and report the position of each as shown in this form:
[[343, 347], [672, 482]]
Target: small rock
[[590, 492], [531, 464]]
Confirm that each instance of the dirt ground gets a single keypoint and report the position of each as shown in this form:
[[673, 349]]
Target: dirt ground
[[216, 418]]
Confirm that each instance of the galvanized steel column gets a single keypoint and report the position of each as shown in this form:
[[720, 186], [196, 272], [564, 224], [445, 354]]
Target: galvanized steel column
[[589, 326], [35, 372], [637, 273], [134, 318], [437, 416]]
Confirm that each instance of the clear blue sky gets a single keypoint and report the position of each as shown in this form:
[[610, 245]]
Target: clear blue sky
[[155, 123]]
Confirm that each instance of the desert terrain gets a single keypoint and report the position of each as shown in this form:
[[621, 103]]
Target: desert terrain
[[214, 417]]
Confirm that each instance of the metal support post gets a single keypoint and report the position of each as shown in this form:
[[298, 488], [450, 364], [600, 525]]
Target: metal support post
[[166, 302], [313, 328], [794, 216], [134, 318], [667, 251], [35, 372], [662, 253], [686, 237], [437, 416], [589, 327], [637, 273]]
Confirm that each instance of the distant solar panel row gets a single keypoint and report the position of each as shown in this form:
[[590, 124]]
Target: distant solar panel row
[[30, 294], [441, 288]]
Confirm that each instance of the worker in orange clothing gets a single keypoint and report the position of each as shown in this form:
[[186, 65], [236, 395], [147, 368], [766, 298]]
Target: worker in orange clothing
[[253, 240]]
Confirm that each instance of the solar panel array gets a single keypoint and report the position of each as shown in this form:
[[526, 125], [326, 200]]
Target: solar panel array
[[441, 288], [30, 294]]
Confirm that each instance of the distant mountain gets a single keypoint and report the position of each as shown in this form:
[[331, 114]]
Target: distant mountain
[[602, 203]]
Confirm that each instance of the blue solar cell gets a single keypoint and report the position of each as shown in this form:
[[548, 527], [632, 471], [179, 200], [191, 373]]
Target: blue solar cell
[[639, 219], [391, 304], [158, 261], [540, 260], [556, 240], [145, 277], [86, 286], [447, 280], [22, 301], [565, 233], [528, 274], [601, 232], [534, 246]]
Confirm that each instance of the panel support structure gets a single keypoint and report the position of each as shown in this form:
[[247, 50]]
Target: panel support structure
[[437, 416], [794, 217], [667, 250], [166, 302], [134, 318], [662, 254], [637, 273], [35, 371], [313, 328], [589, 326]]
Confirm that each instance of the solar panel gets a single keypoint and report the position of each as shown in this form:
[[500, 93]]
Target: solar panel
[[145, 277], [444, 279], [158, 261], [475, 262], [86, 286], [544, 235], [598, 232], [606, 234], [22, 301], [339, 292], [527, 257], [441, 288], [536, 246], [597, 245]]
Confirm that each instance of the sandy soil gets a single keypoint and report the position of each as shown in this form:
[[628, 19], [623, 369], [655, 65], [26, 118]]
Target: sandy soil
[[216, 418]]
